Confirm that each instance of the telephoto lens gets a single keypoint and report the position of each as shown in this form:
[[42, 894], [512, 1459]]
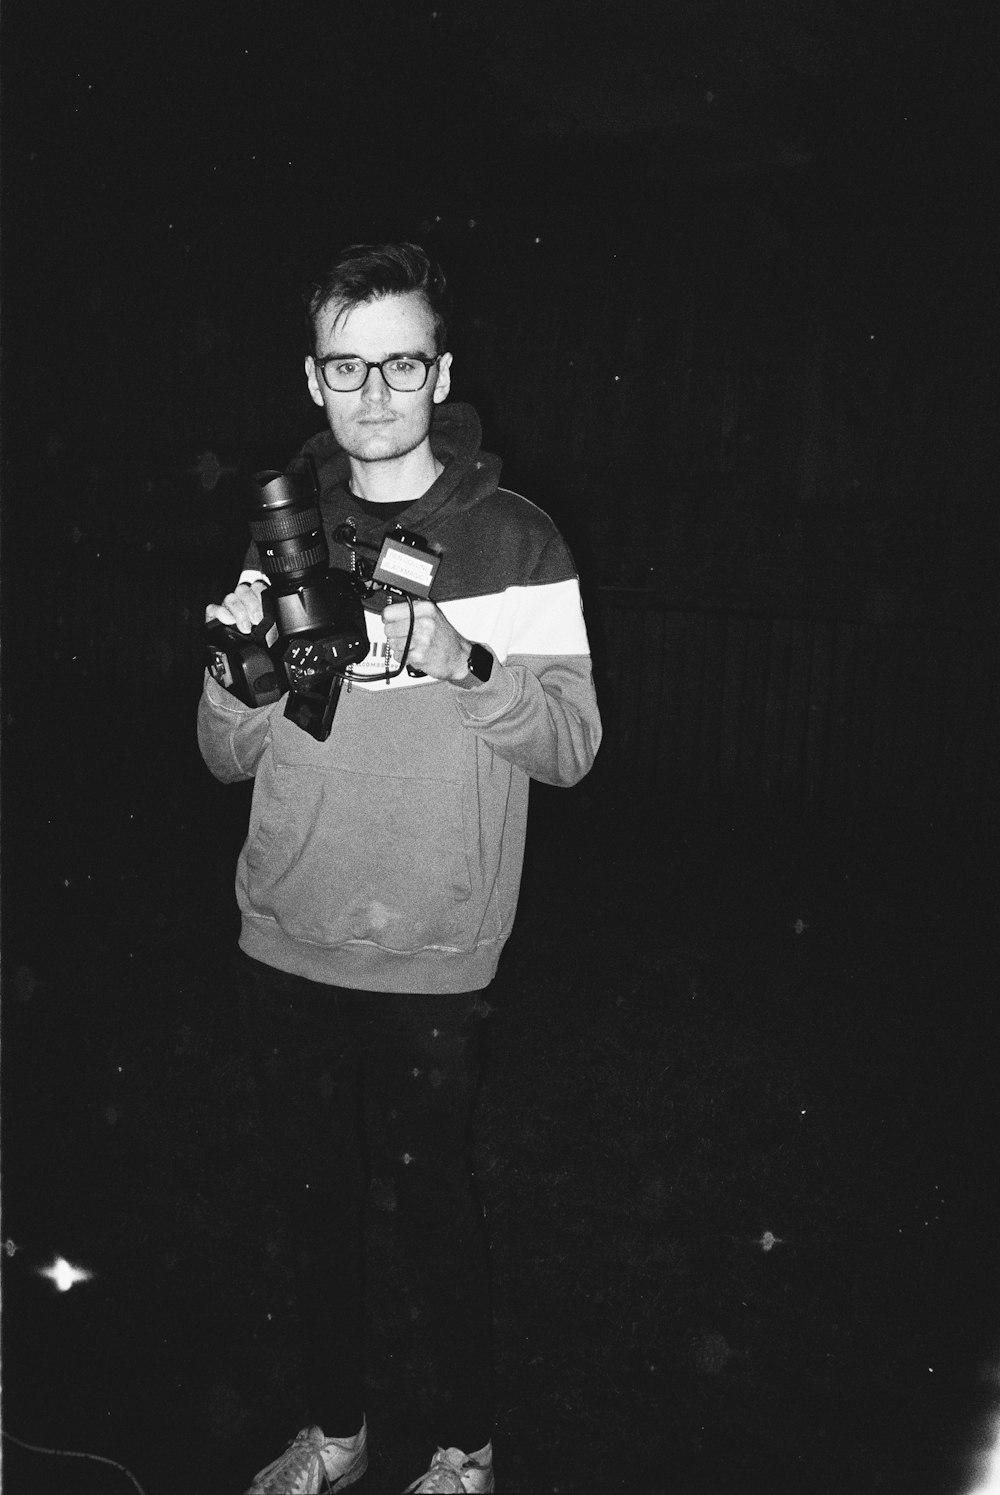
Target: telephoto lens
[[318, 611], [285, 524]]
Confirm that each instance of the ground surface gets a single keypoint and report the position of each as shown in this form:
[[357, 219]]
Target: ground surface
[[736, 1143]]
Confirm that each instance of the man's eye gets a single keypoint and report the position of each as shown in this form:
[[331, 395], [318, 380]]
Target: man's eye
[[403, 365], [346, 366]]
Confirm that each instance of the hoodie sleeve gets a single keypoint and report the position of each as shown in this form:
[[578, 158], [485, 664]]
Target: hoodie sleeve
[[538, 710], [232, 737]]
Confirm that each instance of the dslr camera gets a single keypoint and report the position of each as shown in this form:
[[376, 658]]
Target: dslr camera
[[313, 629]]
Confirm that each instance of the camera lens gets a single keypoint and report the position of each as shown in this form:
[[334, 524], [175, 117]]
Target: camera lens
[[285, 523]]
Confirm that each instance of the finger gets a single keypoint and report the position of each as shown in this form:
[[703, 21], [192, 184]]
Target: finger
[[217, 612], [236, 608], [243, 608], [422, 608], [251, 599], [398, 638]]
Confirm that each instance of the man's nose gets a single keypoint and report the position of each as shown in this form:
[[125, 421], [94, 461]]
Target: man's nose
[[375, 391]]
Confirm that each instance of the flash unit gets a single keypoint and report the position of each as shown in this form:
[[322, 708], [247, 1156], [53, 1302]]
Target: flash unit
[[405, 565]]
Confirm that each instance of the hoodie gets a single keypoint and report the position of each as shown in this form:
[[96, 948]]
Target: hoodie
[[388, 858]]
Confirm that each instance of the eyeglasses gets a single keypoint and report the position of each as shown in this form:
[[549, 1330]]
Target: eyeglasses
[[404, 373]]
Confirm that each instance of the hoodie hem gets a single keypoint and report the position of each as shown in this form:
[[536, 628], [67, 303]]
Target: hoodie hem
[[364, 966]]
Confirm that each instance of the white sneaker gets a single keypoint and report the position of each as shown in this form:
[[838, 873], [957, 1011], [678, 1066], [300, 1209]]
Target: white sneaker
[[314, 1465], [454, 1473]]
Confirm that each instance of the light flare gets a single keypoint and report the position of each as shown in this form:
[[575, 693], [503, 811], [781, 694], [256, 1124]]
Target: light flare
[[64, 1274], [991, 1469]]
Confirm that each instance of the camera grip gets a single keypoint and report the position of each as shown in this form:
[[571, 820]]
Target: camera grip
[[242, 663]]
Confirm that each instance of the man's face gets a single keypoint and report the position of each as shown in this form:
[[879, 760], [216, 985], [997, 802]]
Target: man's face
[[376, 423]]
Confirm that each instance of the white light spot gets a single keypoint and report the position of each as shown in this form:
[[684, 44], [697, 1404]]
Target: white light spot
[[769, 1240], [800, 926], [64, 1274], [989, 1463]]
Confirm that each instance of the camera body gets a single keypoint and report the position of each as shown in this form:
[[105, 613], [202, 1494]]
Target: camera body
[[313, 629]]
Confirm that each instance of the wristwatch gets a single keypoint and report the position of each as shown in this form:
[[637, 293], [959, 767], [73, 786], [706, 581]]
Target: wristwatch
[[479, 664]]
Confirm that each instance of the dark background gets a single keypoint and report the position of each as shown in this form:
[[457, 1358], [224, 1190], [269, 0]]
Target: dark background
[[725, 282], [725, 273]]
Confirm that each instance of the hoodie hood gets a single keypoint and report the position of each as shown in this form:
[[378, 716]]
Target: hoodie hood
[[455, 441]]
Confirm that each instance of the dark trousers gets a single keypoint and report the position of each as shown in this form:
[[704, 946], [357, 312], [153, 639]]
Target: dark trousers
[[322, 1055]]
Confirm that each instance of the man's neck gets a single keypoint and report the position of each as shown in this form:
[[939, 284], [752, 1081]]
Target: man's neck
[[396, 479]]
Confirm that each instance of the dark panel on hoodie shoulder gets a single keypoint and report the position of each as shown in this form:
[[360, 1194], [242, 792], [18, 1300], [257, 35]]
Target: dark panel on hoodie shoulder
[[489, 538]]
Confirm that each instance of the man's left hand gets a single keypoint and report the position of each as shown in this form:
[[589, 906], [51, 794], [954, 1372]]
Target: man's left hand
[[436, 648]]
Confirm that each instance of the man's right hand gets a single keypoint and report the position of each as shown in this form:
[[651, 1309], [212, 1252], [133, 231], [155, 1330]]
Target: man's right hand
[[241, 608]]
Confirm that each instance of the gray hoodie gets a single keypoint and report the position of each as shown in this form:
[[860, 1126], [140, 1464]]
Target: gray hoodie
[[388, 858]]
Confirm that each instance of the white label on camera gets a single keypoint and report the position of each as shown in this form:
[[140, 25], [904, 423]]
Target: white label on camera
[[408, 564]]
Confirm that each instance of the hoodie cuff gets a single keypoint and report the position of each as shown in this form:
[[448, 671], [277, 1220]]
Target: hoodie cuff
[[487, 699]]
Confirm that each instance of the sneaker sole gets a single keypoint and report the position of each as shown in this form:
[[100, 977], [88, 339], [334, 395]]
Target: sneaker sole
[[329, 1486]]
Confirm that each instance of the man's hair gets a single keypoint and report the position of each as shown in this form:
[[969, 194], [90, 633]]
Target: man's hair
[[367, 272]]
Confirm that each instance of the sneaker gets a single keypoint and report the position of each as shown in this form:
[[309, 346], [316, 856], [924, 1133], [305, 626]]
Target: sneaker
[[314, 1465], [454, 1473]]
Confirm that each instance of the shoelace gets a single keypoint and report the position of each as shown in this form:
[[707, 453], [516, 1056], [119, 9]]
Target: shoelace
[[298, 1459], [442, 1478]]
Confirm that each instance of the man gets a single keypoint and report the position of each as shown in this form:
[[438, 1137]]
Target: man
[[379, 878]]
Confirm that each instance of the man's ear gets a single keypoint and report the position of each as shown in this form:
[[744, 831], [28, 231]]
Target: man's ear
[[443, 383], [312, 379]]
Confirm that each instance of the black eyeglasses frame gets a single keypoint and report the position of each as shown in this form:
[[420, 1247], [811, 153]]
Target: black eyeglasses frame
[[428, 364]]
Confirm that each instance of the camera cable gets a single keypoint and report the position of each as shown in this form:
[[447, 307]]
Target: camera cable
[[71, 1453]]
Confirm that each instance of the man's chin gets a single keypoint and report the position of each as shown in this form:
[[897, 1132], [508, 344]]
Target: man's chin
[[379, 443]]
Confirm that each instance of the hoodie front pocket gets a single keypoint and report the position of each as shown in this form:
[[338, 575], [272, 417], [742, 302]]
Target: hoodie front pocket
[[347, 856]]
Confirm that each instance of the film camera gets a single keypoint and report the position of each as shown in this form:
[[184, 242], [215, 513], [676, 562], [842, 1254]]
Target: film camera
[[313, 629]]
